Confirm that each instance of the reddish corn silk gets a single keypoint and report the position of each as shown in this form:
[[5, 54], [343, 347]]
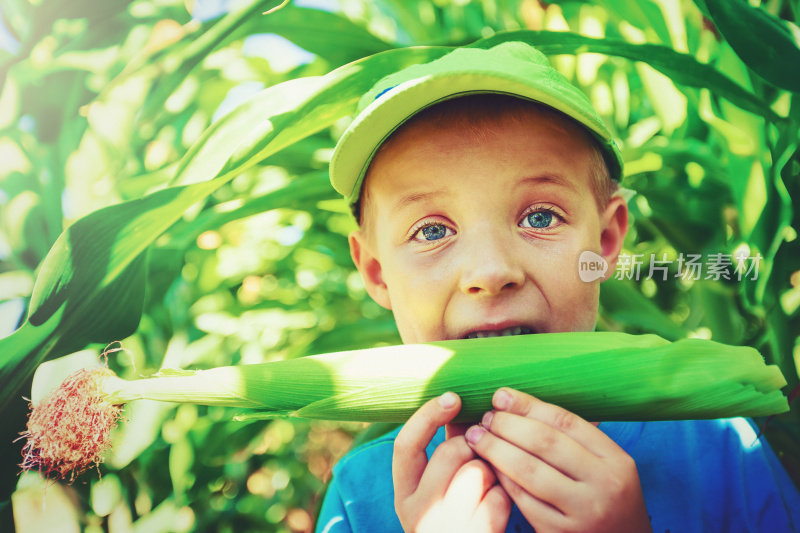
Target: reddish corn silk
[[70, 429]]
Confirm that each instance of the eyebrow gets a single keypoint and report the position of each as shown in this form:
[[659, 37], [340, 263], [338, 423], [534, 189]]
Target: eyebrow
[[415, 197], [555, 179]]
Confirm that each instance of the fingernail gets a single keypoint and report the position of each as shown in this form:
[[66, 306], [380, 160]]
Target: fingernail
[[486, 421], [447, 400], [474, 434], [502, 399]]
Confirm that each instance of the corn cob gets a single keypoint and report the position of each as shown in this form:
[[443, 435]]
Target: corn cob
[[599, 376]]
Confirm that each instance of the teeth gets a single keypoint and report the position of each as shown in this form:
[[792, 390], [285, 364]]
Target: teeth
[[515, 330]]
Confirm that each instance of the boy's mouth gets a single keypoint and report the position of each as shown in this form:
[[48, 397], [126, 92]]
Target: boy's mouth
[[505, 332]]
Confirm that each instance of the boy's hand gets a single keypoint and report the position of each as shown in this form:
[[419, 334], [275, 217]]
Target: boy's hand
[[563, 473], [454, 491]]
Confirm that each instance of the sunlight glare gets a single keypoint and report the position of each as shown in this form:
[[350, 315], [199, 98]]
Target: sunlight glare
[[746, 433]]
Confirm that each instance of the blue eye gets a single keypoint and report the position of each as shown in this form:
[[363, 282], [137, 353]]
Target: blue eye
[[434, 232], [540, 219], [431, 232]]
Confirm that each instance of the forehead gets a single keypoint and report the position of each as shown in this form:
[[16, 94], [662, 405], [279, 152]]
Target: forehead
[[517, 131]]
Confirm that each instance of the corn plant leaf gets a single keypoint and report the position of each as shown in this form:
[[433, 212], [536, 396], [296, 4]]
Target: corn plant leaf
[[240, 142], [171, 66], [623, 302], [299, 192], [78, 312], [767, 44], [776, 216], [644, 15], [21, 353], [681, 68], [99, 255], [328, 35]]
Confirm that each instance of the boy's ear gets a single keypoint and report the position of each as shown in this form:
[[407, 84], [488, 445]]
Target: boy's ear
[[370, 269], [614, 228]]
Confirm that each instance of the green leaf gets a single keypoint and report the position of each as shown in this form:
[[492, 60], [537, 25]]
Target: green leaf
[[75, 313], [83, 273], [300, 192], [299, 108], [681, 68], [141, 427], [325, 34], [363, 332], [21, 353], [624, 303], [645, 15], [766, 43], [181, 459], [22, 223], [91, 284], [407, 14], [719, 312], [171, 67]]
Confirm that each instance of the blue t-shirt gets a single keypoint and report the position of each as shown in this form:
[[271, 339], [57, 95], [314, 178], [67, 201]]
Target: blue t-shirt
[[697, 475]]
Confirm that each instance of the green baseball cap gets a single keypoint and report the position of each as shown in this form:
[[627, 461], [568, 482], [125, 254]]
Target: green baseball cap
[[511, 68]]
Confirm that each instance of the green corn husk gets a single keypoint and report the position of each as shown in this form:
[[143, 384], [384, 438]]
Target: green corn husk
[[599, 376]]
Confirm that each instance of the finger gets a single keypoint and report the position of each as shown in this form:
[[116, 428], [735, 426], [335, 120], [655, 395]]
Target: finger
[[534, 475], [589, 436], [409, 458], [539, 514], [469, 485], [456, 430], [556, 448], [447, 459], [494, 509]]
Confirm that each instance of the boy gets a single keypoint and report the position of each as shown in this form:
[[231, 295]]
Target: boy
[[478, 179]]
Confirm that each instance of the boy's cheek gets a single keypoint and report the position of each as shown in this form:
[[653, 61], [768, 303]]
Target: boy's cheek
[[575, 310], [414, 329]]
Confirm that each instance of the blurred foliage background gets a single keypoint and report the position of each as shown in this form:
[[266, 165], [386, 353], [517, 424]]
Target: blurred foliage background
[[226, 245]]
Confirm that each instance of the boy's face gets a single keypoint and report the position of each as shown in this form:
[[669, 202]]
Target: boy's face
[[466, 234]]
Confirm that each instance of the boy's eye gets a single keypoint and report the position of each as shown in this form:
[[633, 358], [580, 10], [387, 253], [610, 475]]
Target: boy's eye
[[432, 232], [541, 218]]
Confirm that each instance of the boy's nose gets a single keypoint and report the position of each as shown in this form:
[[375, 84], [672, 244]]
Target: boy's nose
[[491, 268]]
